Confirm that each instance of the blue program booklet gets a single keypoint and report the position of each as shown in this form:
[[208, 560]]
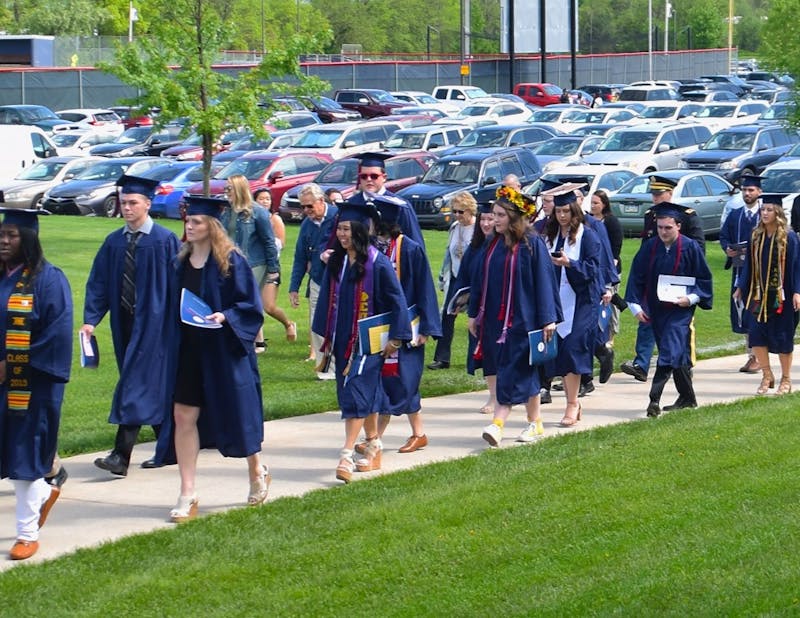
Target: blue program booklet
[[373, 332], [540, 351], [194, 311]]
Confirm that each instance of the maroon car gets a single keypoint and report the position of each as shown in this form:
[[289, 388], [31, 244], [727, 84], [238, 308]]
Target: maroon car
[[367, 101]]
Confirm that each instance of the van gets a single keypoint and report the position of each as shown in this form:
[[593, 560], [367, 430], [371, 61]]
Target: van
[[344, 139], [459, 95], [23, 145], [648, 93]]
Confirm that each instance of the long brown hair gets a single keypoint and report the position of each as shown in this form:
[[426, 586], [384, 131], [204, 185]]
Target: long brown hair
[[221, 245], [554, 228]]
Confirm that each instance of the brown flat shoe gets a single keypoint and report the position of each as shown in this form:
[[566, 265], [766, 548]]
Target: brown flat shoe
[[22, 550], [55, 492], [414, 443]]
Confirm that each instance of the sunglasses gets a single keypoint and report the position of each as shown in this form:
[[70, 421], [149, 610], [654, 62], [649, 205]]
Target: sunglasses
[[304, 206], [369, 176], [459, 212]]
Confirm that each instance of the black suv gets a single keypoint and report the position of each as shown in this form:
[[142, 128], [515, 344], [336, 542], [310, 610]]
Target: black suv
[[479, 171], [368, 102]]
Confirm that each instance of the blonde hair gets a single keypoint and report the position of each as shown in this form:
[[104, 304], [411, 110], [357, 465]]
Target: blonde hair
[[221, 245], [464, 201], [239, 196]]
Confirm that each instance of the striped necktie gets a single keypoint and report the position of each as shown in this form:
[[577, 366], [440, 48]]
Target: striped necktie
[[128, 299]]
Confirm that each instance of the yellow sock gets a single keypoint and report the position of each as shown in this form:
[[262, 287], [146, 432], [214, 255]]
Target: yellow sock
[[539, 426], [499, 422]]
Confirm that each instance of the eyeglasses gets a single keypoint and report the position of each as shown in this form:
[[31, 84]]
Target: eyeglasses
[[304, 206], [369, 176], [459, 212]]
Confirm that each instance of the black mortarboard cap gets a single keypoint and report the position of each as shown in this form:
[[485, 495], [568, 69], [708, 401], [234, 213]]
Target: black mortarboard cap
[[564, 194], [357, 212], [485, 207], [773, 198], [201, 205], [23, 217], [668, 209], [137, 184], [373, 159], [750, 180]]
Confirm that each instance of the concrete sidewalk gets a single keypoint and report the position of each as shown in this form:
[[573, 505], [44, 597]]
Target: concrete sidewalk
[[96, 507]]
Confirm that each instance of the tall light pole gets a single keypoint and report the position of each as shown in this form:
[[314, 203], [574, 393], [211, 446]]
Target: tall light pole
[[667, 15], [650, 37]]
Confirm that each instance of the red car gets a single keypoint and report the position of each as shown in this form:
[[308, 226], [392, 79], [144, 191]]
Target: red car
[[274, 170], [191, 149], [128, 120], [538, 94]]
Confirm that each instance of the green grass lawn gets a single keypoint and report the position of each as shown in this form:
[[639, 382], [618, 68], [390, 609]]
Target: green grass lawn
[[289, 384], [694, 514]]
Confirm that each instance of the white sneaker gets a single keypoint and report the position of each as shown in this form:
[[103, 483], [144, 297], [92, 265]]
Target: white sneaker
[[492, 434], [530, 433], [326, 375]]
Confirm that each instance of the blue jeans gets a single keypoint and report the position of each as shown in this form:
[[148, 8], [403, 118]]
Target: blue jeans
[[645, 343]]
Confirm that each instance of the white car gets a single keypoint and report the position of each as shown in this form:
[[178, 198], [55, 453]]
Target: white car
[[77, 142], [722, 114], [423, 99], [577, 118], [29, 186], [783, 177], [498, 110], [608, 178], [665, 111], [459, 95], [99, 120]]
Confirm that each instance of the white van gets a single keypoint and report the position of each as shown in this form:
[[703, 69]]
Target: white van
[[23, 145]]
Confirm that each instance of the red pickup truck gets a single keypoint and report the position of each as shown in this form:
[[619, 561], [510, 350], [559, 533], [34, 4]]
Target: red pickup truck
[[539, 94]]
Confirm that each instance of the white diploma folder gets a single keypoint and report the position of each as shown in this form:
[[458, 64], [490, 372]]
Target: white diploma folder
[[672, 287]]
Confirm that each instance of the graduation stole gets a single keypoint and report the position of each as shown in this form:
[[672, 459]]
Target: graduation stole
[[391, 365], [766, 284], [18, 344]]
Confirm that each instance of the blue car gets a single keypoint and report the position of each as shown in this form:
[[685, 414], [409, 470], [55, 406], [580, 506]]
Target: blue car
[[174, 178]]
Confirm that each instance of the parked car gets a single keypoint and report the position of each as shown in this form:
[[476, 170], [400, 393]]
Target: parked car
[[423, 99], [430, 137], [649, 147], [28, 188], [94, 190], [503, 136], [669, 110], [741, 87], [610, 179], [608, 92], [191, 148], [413, 110], [245, 144], [495, 109], [402, 171], [741, 150], [458, 94], [648, 93], [174, 178], [565, 149], [98, 120], [709, 96], [554, 114], [717, 116], [77, 142], [23, 146], [35, 115], [345, 139], [594, 129], [132, 117], [598, 115], [294, 120], [540, 95], [328, 110], [777, 113], [705, 192], [277, 171], [142, 141], [479, 171], [783, 177], [368, 102]]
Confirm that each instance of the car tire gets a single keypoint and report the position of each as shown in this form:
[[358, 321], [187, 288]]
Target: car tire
[[110, 206], [36, 202]]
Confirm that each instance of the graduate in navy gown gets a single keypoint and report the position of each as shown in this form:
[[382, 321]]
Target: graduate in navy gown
[[402, 371], [371, 189], [217, 385], [575, 256], [769, 288], [140, 322], [670, 253], [514, 293], [734, 237], [359, 282], [36, 340]]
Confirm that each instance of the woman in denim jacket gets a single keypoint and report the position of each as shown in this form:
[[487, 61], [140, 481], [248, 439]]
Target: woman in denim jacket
[[248, 225]]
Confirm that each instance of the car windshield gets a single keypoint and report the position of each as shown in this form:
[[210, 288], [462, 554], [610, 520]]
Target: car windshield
[[426, 99], [405, 140], [730, 141], [252, 169], [559, 147], [319, 139], [105, 170], [134, 135], [776, 112], [65, 140], [339, 172], [628, 141], [781, 181], [659, 112], [473, 110], [37, 113], [794, 151], [43, 170], [484, 138], [474, 93], [455, 172], [545, 115], [716, 111]]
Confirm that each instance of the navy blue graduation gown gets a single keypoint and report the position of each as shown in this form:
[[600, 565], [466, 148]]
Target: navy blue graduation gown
[[232, 417], [777, 333], [361, 393], [608, 271], [672, 325], [736, 229], [406, 217], [143, 394], [535, 304], [29, 439], [470, 265], [402, 391]]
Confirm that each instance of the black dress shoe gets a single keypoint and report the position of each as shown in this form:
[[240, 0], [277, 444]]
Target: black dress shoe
[[113, 463], [585, 389], [632, 369], [653, 410], [606, 365], [439, 365], [680, 404], [58, 479], [545, 397], [149, 464]]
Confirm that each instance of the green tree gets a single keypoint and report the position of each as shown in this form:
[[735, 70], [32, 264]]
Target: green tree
[[62, 17], [172, 67], [708, 25]]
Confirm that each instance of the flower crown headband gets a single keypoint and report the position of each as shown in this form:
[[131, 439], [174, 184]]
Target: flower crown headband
[[523, 203]]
